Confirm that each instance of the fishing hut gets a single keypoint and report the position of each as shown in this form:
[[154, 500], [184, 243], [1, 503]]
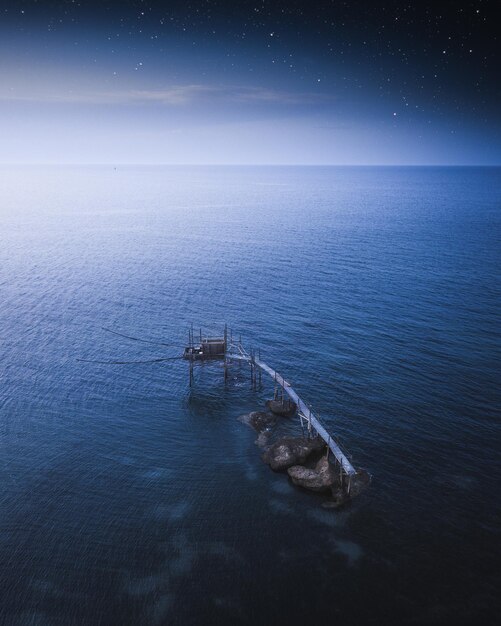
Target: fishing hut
[[206, 349]]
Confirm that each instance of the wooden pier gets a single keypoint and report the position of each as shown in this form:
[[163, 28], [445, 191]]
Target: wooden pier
[[223, 348], [229, 350]]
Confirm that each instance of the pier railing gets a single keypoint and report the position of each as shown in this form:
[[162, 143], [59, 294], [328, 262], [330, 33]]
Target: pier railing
[[237, 352]]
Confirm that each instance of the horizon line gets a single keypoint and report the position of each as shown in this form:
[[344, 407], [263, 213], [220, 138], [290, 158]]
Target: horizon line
[[157, 164]]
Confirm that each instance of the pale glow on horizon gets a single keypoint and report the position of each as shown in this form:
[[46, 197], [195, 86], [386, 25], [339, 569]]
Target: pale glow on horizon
[[70, 112]]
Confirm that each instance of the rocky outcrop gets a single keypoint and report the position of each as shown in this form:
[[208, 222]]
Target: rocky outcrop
[[284, 408], [340, 497], [259, 420], [289, 451], [319, 478]]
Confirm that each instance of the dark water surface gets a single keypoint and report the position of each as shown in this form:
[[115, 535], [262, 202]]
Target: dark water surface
[[127, 498]]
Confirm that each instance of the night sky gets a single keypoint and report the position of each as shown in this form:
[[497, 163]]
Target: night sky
[[250, 82]]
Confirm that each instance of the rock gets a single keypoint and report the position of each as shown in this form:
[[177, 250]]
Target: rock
[[285, 408], [320, 478], [289, 451], [263, 439], [339, 497], [259, 420], [359, 482]]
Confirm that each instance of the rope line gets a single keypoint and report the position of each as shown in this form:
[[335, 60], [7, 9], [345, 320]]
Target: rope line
[[155, 343], [172, 358]]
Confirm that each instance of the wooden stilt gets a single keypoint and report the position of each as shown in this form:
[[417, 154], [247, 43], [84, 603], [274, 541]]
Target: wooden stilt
[[252, 369], [259, 369]]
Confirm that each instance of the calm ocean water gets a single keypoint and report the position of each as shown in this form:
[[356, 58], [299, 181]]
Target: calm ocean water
[[128, 498]]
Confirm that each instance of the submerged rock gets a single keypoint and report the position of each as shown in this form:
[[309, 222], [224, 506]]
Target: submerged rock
[[359, 482], [284, 408], [289, 451], [259, 420], [339, 498], [263, 439], [331, 504], [320, 478]]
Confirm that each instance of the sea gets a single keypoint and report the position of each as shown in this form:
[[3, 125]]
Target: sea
[[128, 496]]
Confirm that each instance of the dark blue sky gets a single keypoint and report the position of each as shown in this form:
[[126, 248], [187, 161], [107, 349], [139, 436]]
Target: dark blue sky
[[249, 82]]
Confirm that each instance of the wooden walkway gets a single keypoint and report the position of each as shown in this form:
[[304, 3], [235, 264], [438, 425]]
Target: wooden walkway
[[303, 409]]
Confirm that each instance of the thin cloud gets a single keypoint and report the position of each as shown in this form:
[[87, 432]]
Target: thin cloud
[[258, 94], [177, 95]]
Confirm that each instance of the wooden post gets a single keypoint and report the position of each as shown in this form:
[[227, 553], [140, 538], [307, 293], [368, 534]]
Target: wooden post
[[225, 351], [259, 369], [253, 370]]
